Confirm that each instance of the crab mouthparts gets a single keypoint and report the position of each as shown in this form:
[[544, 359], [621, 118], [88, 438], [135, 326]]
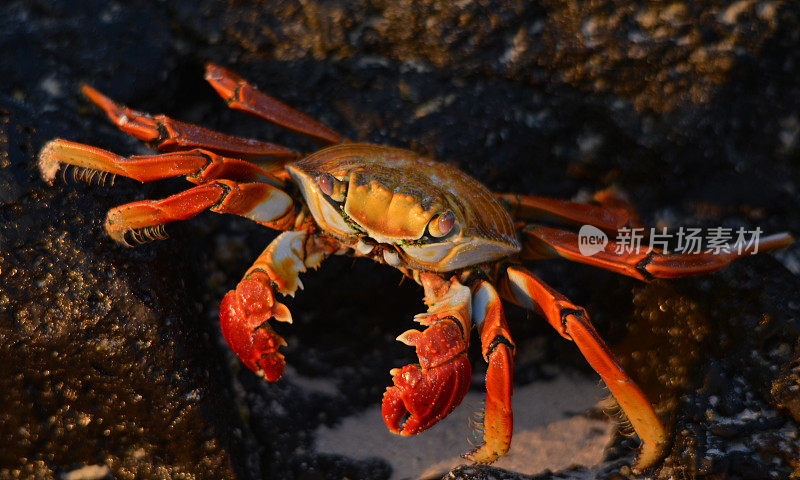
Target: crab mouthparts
[[385, 252]]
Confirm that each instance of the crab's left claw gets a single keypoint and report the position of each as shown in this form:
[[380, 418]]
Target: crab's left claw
[[243, 317], [428, 392]]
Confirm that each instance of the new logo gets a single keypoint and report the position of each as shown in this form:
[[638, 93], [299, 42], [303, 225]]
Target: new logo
[[591, 240]]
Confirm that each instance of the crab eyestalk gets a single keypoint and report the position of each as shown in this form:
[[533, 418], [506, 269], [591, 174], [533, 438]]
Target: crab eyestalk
[[243, 317]]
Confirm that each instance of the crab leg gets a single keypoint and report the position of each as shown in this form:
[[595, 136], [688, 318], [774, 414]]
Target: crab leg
[[199, 166], [572, 322], [546, 242], [241, 95], [613, 198], [498, 351], [429, 391], [259, 202], [164, 133], [608, 217], [244, 312]]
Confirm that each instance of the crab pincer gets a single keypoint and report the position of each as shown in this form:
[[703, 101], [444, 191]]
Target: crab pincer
[[427, 392], [243, 319]]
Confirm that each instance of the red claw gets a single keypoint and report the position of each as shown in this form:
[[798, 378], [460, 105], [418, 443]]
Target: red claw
[[243, 316], [428, 392]]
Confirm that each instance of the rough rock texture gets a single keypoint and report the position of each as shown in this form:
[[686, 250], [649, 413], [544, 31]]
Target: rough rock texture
[[715, 379], [102, 363], [111, 356]]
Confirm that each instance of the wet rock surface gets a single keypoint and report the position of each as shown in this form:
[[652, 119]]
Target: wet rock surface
[[112, 357]]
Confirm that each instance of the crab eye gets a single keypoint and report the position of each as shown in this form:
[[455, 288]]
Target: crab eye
[[325, 183], [332, 187], [442, 224]]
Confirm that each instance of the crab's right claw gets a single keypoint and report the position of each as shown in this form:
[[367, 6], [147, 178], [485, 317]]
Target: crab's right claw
[[243, 317], [428, 392]]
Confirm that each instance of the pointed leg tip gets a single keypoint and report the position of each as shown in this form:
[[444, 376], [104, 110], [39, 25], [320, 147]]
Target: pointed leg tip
[[105, 103], [213, 71], [222, 79], [86, 89], [484, 455], [48, 161], [777, 241], [649, 455], [93, 94], [116, 234], [120, 240]]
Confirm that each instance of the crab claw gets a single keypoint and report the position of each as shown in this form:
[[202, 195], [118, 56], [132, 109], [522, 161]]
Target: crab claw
[[428, 392], [243, 316]]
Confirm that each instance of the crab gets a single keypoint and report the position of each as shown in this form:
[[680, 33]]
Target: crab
[[434, 223]]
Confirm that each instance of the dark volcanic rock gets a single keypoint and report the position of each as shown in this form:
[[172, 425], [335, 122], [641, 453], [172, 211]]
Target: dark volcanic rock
[[785, 390], [112, 357], [714, 347], [103, 364], [656, 55]]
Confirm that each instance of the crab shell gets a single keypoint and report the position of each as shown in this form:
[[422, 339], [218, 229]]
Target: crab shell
[[391, 198]]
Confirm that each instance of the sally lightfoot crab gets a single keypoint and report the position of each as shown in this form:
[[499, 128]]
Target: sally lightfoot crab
[[429, 220]]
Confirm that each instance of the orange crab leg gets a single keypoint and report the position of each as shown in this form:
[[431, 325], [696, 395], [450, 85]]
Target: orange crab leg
[[526, 207], [547, 242], [199, 166], [260, 202], [572, 322], [241, 95], [164, 133], [613, 198], [498, 351]]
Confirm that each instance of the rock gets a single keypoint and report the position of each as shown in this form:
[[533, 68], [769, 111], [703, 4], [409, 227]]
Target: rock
[[690, 108], [715, 346], [103, 363]]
